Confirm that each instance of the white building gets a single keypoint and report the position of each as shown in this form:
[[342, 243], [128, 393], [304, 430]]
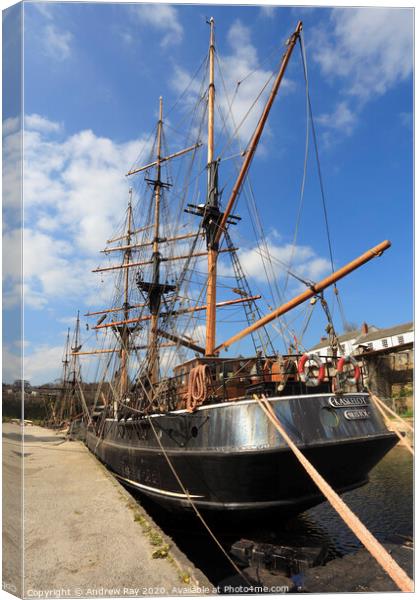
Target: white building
[[368, 339]]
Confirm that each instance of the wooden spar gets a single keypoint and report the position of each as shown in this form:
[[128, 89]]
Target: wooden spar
[[122, 237], [154, 320], [111, 350], [309, 293], [258, 131], [110, 310], [150, 262], [212, 251], [176, 238], [182, 341], [105, 351], [179, 312], [164, 159], [124, 332]]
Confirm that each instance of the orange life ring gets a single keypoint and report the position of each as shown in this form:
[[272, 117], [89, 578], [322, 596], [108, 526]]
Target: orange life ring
[[345, 360], [303, 371]]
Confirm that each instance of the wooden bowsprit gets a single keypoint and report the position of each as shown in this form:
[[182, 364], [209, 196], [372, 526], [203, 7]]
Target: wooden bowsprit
[[390, 566]]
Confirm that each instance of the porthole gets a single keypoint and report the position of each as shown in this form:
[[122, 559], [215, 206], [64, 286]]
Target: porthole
[[329, 417]]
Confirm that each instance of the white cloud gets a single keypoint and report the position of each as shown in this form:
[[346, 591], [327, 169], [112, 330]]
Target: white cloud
[[127, 37], [48, 269], [342, 119], [44, 9], [75, 193], [38, 123], [370, 50], [268, 11], [274, 262], [77, 183], [12, 365], [40, 366], [43, 365], [57, 42], [52, 269], [70, 321], [12, 163], [236, 66], [15, 293], [371, 47], [162, 17], [11, 125], [22, 344]]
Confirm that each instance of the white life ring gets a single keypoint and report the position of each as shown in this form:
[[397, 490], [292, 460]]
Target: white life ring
[[345, 375], [304, 371]]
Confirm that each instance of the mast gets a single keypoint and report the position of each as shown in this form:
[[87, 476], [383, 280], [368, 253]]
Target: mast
[[214, 220], [66, 357], [155, 296], [212, 208], [125, 332], [65, 361], [77, 346]]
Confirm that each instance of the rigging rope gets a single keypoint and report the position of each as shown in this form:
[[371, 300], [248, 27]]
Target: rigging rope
[[321, 183], [303, 183]]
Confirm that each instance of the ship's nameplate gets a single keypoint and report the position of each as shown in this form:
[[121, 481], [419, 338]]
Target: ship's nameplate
[[357, 413], [348, 401]]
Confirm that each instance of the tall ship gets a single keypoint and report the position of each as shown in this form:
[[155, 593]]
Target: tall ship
[[175, 415]]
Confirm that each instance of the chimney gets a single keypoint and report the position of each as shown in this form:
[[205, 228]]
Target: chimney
[[323, 339], [364, 328]]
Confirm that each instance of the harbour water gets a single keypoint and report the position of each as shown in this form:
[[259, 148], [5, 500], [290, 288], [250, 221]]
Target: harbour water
[[385, 506]]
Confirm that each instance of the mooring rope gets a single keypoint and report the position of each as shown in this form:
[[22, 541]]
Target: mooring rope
[[389, 409], [197, 512], [390, 566], [388, 423]]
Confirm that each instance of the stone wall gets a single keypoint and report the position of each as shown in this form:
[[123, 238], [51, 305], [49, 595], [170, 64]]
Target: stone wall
[[390, 376]]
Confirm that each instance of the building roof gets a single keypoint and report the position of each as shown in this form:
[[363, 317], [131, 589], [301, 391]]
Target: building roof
[[384, 333], [373, 334], [345, 337]]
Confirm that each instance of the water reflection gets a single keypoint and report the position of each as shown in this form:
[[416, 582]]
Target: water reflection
[[384, 505]]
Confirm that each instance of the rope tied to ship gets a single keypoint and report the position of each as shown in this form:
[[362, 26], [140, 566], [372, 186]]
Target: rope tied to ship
[[380, 405], [195, 508], [379, 553], [199, 383]]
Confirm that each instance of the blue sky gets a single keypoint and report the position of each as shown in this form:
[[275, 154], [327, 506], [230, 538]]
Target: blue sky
[[93, 76]]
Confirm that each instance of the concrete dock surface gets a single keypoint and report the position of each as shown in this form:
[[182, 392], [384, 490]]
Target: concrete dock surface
[[84, 535]]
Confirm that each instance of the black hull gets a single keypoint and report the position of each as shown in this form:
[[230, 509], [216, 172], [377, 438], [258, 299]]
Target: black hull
[[231, 460]]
